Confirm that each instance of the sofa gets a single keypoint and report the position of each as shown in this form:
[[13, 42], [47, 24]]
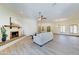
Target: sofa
[[43, 38]]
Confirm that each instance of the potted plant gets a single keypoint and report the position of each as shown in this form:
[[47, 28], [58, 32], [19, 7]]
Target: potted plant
[[4, 35]]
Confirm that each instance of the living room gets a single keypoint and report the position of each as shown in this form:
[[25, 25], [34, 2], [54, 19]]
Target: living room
[[39, 28]]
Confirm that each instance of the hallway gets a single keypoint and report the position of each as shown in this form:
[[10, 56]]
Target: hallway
[[60, 45]]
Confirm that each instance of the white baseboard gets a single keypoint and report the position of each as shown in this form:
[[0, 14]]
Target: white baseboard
[[67, 34]]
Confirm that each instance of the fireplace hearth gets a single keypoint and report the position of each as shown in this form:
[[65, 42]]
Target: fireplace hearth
[[14, 34]]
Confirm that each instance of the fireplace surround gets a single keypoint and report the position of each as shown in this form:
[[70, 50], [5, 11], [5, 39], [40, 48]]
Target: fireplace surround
[[14, 34]]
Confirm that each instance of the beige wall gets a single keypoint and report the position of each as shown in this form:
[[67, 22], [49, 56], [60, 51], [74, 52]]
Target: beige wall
[[67, 23], [45, 25], [29, 26]]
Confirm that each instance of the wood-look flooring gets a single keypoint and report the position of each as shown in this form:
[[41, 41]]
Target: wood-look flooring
[[60, 45]]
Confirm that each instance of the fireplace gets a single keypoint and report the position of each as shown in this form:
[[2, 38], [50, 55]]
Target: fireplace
[[14, 34]]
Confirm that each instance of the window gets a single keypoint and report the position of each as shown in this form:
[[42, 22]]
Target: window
[[48, 29], [62, 28], [73, 29], [42, 29]]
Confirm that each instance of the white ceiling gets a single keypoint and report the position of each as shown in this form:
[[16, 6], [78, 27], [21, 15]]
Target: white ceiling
[[60, 10]]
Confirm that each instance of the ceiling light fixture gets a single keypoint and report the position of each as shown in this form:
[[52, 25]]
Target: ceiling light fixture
[[41, 17]]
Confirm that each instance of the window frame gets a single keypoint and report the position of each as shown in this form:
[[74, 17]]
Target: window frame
[[62, 29], [73, 28]]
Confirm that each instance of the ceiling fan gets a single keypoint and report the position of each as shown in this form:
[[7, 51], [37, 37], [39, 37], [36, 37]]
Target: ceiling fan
[[41, 17]]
